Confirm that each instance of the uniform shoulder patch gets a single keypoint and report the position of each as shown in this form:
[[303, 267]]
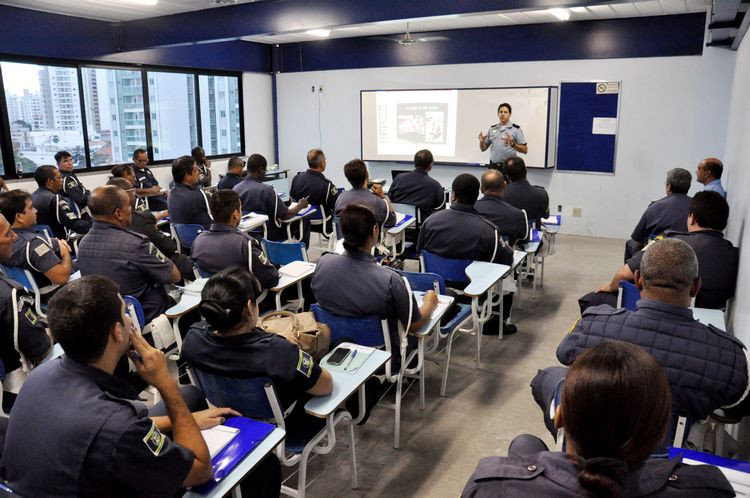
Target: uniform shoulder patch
[[516, 126], [304, 364], [41, 249], [30, 315], [154, 439], [156, 252]]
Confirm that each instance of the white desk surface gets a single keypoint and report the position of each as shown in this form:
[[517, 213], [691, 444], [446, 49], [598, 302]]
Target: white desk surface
[[246, 465], [436, 315], [190, 299], [74, 276], [518, 257], [287, 280], [710, 317], [483, 275], [252, 221], [345, 383], [395, 230], [305, 212], [531, 247]]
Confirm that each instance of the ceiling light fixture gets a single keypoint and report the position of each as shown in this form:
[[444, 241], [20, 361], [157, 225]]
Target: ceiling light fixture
[[578, 10], [321, 33], [562, 14], [139, 2]]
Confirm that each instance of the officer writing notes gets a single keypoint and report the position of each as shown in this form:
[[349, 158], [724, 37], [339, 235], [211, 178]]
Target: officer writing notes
[[504, 139]]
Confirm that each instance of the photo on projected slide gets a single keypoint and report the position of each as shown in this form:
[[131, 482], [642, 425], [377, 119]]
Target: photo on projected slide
[[422, 123]]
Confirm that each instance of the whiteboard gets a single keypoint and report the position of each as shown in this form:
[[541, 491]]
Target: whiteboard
[[395, 124]]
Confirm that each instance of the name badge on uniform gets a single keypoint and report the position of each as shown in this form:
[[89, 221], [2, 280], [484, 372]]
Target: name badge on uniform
[[156, 252], [41, 250]]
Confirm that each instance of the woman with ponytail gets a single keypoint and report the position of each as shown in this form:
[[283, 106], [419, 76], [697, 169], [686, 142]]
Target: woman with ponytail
[[227, 341], [614, 409]]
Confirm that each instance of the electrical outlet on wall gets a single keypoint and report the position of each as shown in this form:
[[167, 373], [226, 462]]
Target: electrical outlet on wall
[[320, 89], [577, 212], [313, 89], [559, 208]]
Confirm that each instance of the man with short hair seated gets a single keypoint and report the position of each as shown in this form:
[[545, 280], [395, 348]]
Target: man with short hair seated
[[234, 173], [510, 221], [52, 209], [314, 186], [126, 171], [47, 258], [72, 187], [146, 183], [374, 199], [187, 203], [112, 250], [223, 245], [261, 198], [718, 259], [706, 367], [523, 195], [417, 188], [668, 213], [461, 233], [77, 430]]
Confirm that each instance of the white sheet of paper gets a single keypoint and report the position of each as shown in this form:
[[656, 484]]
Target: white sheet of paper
[[218, 437], [604, 126], [296, 268]]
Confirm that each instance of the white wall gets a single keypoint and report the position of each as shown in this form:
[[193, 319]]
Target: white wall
[[673, 112]]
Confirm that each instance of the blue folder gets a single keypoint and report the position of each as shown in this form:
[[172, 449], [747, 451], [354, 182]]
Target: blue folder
[[251, 434], [404, 220]]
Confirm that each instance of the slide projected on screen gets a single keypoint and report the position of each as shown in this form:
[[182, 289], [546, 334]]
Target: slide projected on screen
[[397, 123]]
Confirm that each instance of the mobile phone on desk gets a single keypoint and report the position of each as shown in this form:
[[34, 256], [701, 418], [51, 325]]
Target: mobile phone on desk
[[338, 356]]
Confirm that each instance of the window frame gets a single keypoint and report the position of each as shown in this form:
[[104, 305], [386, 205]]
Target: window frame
[[5, 136]]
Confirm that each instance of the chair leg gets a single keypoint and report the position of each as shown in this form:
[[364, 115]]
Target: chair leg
[[421, 373], [301, 306], [397, 421], [355, 483], [447, 361], [542, 280], [477, 327], [500, 312], [536, 273]]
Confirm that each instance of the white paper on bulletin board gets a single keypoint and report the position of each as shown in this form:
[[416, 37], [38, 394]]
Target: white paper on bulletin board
[[604, 126]]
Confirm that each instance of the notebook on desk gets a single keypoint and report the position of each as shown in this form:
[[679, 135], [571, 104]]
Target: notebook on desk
[[218, 437], [402, 218], [296, 268]]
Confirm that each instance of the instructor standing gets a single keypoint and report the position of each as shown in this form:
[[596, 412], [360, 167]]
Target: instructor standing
[[504, 139]]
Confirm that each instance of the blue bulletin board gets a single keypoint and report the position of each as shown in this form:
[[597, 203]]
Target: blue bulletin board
[[587, 132]]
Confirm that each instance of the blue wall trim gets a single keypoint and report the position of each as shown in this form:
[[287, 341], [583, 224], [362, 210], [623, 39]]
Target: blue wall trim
[[657, 36]]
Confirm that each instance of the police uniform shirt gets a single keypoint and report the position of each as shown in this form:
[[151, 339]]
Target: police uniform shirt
[[229, 181], [547, 474], [715, 186], [366, 198], [316, 187], [531, 198], [79, 431], [33, 250], [145, 179], [718, 263], [144, 222], [460, 233], [419, 189], [258, 197], [188, 204], [353, 284], [74, 189], [54, 211], [223, 246], [204, 180], [509, 220], [499, 151], [668, 213], [33, 340], [255, 354], [128, 258]]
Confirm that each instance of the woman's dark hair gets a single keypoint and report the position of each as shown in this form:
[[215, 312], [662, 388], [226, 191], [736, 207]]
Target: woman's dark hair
[[615, 407], [356, 225], [224, 297]]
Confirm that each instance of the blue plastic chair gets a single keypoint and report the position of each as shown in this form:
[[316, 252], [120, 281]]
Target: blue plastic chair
[[186, 233], [628, 295], [46, 229], [432, 281], [256, 398], [452, 270], [25, 278], [367, 331], [281, 253], [132, 303]]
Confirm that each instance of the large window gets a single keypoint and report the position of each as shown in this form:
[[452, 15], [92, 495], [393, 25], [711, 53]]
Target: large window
[[115, 120], [220, 114], [174, 125], [44, 113]]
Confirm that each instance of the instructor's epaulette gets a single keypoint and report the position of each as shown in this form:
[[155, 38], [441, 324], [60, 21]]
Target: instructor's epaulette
[[516, 126], [495, 125]]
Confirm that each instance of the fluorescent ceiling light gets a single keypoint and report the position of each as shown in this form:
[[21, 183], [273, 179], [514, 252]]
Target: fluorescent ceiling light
[[322, 33], [506, 17], [561, 14], [578, 10], [139, 2]]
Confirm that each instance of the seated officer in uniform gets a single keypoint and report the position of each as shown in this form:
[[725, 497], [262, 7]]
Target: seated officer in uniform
[[706, 367], [229, 342], [223, 245], [417, 188], [126, 171], [146, 184], [17, 310], [353, 284], [234, 173], [48, 259], [114, 251], [52, 209], [72, 187], [509, 220], [374, 198], [668, 213], [144, 222], [187, 203], [718, 259], [615, 410], [204, 166], [523, 195], [261, 198], [313, 185], [77, 430]]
